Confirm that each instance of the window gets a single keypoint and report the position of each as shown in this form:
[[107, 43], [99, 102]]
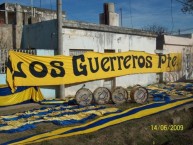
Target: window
[[3, 60], [75, 52], [4, 57]]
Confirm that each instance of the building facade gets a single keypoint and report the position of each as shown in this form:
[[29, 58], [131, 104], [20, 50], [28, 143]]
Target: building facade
[[177, 44], [79, 38], [12, 19]]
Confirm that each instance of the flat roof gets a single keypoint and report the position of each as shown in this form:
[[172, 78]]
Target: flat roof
[[24, 6], [106, 28]]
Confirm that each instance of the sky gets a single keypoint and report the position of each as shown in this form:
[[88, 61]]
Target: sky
[[135, 13]]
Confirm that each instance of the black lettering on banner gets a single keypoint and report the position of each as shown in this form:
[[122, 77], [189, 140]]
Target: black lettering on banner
[[9, 65], [126, 60], [174, 61], [104, 61], [58, 65], [119, 62], [20, 72], [134, 58], [148, 62], [96, 64], [81, 66], [169, 59], [162, 60], [141, 61], [39, 74], [112, 64]]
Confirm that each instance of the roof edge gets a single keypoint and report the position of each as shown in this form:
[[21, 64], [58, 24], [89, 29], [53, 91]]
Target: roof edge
[[106, 28]]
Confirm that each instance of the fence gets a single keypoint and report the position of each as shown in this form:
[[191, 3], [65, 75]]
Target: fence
[[4, 57]]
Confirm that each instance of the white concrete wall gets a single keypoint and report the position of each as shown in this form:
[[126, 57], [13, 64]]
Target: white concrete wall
[[177, 40], [98, 41], [94, 37], [183, 45]]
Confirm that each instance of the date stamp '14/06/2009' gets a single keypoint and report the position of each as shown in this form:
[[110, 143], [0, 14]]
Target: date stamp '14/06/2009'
[[167, 127]]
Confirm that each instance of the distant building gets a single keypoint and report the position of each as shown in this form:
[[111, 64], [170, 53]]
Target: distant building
[[19, 14], [177, 44], [12, 19]]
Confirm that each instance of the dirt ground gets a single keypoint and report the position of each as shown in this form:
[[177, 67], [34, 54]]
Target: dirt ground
[[134, 132]]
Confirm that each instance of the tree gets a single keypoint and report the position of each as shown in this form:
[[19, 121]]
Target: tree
[[187, 6], [159, 30]]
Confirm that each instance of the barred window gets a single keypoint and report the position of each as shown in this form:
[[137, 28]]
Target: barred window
[[3, 60], [4, 57], [75, 52]]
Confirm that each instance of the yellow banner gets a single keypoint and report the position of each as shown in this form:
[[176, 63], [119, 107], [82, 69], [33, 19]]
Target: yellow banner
[[21, 95], [29, 70]]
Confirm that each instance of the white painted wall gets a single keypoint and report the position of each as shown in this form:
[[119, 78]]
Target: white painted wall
[[177, 40], [183, 45], [95, 37], [98, 41]]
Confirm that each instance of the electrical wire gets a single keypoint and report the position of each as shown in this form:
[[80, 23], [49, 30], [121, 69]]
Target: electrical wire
[[183, 3], [182, 30]]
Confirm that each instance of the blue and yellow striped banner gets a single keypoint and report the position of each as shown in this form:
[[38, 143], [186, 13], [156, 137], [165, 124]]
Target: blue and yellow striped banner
[[22, 94], [106, 121], [61, 115]]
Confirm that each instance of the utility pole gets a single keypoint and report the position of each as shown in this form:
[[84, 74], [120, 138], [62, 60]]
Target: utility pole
[[60, 41]]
